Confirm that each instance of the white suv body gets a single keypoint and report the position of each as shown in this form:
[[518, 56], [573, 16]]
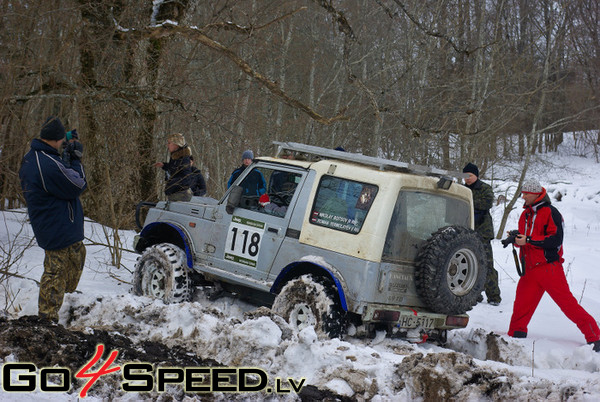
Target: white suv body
[[390, 244]]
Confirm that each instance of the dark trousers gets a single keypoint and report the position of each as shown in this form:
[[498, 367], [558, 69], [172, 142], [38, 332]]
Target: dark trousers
[[492, 290]]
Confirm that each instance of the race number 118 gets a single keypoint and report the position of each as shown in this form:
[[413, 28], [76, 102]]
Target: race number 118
[[252, 248], [243, 241]]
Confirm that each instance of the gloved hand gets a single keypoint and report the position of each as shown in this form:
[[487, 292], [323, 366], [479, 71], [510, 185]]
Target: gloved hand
[[75, 150]]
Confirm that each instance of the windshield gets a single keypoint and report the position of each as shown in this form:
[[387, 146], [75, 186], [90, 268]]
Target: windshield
[[416, 216]]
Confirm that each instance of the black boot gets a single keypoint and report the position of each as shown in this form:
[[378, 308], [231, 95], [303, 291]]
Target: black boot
[[519, 334], [596, 346]]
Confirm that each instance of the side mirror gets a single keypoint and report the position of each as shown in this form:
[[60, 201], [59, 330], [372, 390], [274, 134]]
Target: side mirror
[[234, 199]]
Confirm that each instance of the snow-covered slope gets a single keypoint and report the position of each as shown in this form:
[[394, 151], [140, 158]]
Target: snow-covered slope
[[478, 363]]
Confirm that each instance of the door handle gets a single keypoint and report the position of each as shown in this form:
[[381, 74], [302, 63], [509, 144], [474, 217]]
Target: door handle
[[273, 230]]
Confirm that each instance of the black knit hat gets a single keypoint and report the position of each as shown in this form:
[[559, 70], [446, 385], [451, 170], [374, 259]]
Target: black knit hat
[[471, 168], [53, 129]]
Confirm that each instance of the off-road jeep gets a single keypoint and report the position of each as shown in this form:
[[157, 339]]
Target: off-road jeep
[[346, 239]]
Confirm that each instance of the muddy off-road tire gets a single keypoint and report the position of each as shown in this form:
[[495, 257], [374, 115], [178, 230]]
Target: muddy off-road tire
[[451, 270], [161, 273], [307, 301]]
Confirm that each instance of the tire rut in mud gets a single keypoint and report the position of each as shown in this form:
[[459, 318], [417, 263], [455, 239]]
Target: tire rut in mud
[[34, 340]]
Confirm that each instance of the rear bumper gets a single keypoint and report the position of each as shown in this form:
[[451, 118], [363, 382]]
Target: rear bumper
[[411, 318]]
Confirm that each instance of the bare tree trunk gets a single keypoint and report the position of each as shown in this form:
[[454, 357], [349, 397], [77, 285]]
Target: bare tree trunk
[[533, 133], [309, 128], [287, 40]]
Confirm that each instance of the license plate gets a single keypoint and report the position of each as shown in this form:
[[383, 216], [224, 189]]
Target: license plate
[[412, 321]]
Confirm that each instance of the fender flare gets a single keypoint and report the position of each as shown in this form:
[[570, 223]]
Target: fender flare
[[152, 234], [299, 268]]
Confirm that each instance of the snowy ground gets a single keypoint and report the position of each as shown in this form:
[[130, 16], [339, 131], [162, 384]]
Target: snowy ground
[[478, 363]]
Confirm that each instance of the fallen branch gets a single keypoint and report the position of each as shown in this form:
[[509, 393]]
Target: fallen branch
[[14, 275]]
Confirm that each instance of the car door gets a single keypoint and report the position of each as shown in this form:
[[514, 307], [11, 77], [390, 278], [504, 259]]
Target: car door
[[251, 235]]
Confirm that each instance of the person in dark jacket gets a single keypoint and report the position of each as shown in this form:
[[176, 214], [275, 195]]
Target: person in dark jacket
[[198, 183], [254, 184], [483, 200], [540, 251], [178, 170], [52, 192]]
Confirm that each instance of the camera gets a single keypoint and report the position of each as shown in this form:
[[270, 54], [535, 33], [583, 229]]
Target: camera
[[510, 239], [72, 135]]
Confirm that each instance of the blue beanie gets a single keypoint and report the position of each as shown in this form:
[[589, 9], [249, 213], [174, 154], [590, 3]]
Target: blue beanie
[[53, 129], [247, 154]]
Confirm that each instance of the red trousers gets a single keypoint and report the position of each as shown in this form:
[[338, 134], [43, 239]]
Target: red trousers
[[549, 278]]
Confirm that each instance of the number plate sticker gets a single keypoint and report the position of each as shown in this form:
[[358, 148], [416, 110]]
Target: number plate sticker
[[413, 321], [243, 241]]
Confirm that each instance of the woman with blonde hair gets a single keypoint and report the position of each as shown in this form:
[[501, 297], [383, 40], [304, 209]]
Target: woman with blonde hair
[[178, 170]]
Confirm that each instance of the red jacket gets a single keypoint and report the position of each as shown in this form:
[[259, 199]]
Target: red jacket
[[543, 226]]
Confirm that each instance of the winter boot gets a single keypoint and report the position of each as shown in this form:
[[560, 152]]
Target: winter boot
[[519, 334], [596, 345]]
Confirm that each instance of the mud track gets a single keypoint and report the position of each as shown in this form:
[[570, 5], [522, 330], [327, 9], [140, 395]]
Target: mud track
[[45, 344]]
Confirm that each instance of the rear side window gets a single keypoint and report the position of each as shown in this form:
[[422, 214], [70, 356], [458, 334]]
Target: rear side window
[[342, 204], [416, 216]]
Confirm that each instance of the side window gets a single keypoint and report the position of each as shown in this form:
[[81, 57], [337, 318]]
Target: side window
[[269, 191], [254, 184], [342, 204], [416, 216]]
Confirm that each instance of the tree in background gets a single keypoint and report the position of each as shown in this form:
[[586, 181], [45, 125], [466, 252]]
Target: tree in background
[[428, 82]]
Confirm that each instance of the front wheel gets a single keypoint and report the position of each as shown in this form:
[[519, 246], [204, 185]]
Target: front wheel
[[308, 301], [161, 273]]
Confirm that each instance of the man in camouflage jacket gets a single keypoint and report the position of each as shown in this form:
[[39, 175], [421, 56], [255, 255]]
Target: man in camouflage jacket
[[483, 199]]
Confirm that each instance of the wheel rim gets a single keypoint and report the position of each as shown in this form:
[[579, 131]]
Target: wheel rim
[[462, 272], [302, 316], [157, 282]]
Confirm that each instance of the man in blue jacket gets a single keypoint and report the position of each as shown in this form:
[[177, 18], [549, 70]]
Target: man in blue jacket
[[254, 184], [52, 191]]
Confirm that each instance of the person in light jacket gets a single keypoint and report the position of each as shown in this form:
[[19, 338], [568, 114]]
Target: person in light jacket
[[178, 170]]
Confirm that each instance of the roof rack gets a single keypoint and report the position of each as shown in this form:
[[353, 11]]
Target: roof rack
[[313, 153]]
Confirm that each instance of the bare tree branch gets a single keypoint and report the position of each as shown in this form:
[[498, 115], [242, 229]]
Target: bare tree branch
[[346, 29], [166, 30], [230, 26], [131, 96], [339, 17], [435, 34]]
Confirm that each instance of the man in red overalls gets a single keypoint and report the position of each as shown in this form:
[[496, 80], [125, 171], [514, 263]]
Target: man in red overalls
[[540, 242]]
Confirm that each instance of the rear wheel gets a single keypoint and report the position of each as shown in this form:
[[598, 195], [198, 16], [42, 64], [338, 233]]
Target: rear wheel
[[161, 273], [308, 301], [450, 270]]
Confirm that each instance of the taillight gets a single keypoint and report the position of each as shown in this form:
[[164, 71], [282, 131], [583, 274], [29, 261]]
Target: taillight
[[457, 321], [386, 315]]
